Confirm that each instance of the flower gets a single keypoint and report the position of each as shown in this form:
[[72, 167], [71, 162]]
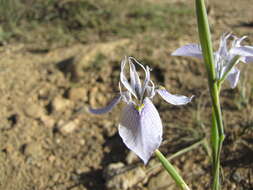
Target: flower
[[140, 126], [225, 59]]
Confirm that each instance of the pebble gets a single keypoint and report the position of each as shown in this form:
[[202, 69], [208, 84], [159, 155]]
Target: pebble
[[34, 111], [162, 181], [97, 97], [76, 94], [113, 169], [48, 121], [61, 104], [123, 179], [131, 158], [34, 150], [109, 127], [69, 127]]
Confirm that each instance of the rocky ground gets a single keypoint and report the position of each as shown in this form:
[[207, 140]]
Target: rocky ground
[[47, 143]]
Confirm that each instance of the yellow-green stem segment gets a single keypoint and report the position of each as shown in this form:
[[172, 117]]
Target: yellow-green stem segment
[[171, 170]]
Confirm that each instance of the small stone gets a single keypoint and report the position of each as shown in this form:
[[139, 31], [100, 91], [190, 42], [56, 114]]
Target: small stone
[[34, 150], [162, 181], [44, 93], [131, 158], [76, 94], [69, 127], [61, 104], [82, 142], [82, 170], [56, 177], [51, 158], [113, 169], [96, 97], [34, 111], [48, 121], [123, 178], [109, 128]]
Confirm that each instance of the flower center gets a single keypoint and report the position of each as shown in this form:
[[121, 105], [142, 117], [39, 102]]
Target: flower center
[[139, 107]]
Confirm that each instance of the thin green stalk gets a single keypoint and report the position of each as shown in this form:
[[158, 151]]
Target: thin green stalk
[[206, 45], [171, 170], [214, 86], [181, 152], [214, 138], [184, 150]]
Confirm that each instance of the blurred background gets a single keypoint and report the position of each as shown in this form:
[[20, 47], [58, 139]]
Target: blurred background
[[57, 57]]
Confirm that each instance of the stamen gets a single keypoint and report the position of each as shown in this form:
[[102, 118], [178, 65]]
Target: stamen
[[139, 107]]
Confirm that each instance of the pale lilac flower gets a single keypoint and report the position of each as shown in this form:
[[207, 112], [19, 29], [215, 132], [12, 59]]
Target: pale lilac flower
[[225, 59], [140, 126]]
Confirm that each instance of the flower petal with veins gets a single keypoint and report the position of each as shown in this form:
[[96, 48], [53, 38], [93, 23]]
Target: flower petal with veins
[[192, 50], [173, 98], [233, 77], [141, 131], [124, 80], [246, 51]]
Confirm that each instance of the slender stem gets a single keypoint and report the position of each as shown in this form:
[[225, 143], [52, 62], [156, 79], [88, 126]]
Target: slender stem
[[214, 86], [171, 170], [184, 150], [214, 138], [206, 45]]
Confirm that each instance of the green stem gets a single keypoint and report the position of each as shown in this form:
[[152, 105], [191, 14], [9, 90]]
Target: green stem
[[214, 86], [171, 170], [214, 138], [184, 150], [206, 45]]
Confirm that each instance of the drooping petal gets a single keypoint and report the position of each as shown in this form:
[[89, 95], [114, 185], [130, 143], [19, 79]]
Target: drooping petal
[[233, 77], [108, 108], [141, 131], [192, 50], [124, 80], [173, 98]]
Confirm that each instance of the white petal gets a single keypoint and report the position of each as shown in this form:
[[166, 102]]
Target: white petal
[[173, 99], [146, 81], [237, 41], [141, 131], [108, 108], [243, 51], [233, 77], [223, 51], [124, 80], [134, 77], [192, 50], [248, 59]]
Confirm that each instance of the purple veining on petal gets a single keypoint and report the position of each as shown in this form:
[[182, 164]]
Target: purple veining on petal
[[174, 99], [192, 50], [245, 51], [124, 80], [233, 77], [141, 131]]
